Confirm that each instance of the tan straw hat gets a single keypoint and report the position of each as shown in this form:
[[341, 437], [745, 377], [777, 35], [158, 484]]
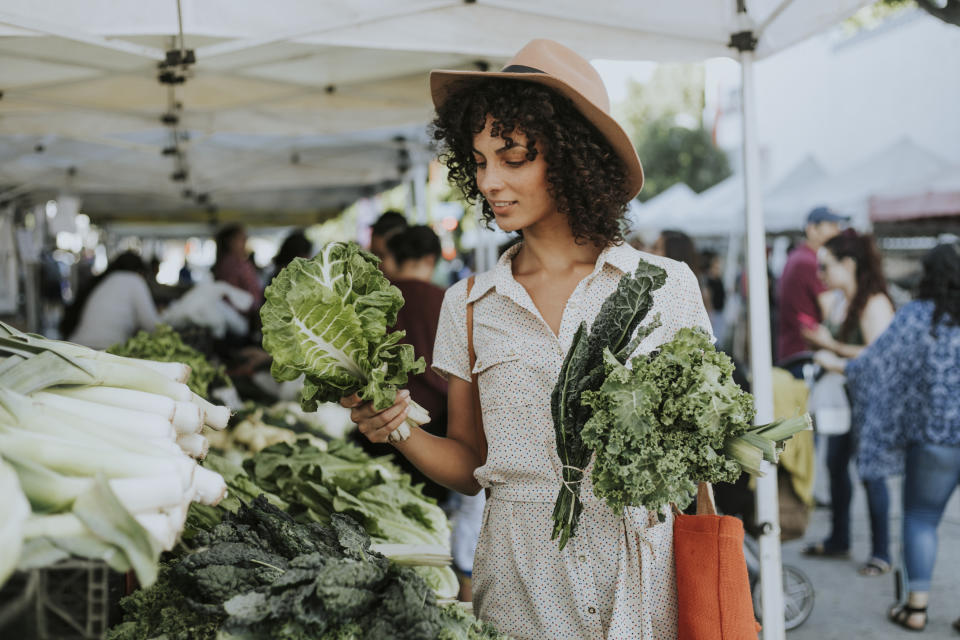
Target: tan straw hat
[[551, 64]]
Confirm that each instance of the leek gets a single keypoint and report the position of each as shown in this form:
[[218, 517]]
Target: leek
[[123, 398], [13, 515]]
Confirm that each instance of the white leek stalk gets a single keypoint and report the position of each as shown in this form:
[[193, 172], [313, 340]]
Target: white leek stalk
[[14, 511], [210, 487], [214, 416], [194, 445], [124, 398], [187, 418], [148, 425], [414, 555]]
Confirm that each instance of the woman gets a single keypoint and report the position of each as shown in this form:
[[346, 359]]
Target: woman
[[910, 376], [233, 265], [536, 146], [113, 307], [851, 264]]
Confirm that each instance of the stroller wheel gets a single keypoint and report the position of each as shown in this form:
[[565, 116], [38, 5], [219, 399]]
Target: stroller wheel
[[797, 597]]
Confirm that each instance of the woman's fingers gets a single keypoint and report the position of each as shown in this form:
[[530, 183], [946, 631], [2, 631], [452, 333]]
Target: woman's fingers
[[377, 425], [350, 401], [383, 434]]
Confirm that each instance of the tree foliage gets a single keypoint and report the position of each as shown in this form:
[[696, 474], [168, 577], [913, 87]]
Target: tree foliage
[[672, 153], [946, 10], [665, 120]]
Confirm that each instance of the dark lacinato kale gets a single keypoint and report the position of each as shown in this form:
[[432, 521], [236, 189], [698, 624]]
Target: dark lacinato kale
[[259, 574]]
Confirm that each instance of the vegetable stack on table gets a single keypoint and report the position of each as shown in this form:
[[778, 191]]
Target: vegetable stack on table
[[99, 455]]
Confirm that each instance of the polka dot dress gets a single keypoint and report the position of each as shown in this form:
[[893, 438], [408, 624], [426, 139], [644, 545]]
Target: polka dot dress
[[615, 579]]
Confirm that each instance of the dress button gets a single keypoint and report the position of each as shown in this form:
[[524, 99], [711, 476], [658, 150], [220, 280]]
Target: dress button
[[582, 558], [591, 610]]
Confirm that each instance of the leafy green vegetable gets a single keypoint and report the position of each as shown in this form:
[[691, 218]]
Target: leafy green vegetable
[[164, 344], [583, 371], [344, 479], [675, 419], [259, 574], [327, 319]]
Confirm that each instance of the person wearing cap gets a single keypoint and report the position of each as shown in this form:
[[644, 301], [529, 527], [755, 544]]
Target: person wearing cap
[[534, 144], [802, 298]]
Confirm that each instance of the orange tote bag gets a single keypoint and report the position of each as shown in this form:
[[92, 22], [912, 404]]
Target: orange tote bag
[[713, 588]]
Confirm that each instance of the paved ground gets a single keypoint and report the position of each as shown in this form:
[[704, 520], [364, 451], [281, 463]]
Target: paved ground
[[849, 606]]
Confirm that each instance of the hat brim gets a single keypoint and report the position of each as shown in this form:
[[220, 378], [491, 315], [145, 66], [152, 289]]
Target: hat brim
[[444, 82]]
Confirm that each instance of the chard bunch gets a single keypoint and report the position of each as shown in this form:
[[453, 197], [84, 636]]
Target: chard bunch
[[327, 319]]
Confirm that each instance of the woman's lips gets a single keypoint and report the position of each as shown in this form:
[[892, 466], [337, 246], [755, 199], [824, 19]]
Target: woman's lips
[[501, 207]]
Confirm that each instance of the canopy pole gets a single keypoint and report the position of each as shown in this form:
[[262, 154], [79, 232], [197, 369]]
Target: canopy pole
[[761, 362]]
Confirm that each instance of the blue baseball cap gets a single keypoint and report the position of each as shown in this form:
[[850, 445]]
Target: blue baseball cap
[[825, 214]]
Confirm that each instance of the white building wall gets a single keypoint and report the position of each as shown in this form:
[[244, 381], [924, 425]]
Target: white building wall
[[842, 98]]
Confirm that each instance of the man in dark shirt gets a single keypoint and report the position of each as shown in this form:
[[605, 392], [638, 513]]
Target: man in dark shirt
[[410, 257], [800, 291]]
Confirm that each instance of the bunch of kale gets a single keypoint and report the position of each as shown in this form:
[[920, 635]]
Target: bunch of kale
[[583, 371], [259, 574]]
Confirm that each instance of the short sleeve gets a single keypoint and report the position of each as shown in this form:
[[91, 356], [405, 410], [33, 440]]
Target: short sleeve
[[450, 356], [694, 312]]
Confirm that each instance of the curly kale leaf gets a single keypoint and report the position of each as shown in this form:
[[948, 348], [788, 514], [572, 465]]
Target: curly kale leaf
[[660, 427]]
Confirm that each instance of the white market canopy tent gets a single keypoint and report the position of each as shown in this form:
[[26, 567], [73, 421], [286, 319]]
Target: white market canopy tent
[[927, 202], [297, 106], [85, 71], [900, 170]]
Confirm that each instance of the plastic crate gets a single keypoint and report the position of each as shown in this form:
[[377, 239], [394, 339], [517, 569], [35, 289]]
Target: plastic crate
[[73, 600]]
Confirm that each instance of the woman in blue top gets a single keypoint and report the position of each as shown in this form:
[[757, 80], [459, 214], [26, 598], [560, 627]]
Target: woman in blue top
[[909, 381]]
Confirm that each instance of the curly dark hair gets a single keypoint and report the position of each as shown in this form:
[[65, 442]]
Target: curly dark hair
[[869, 273], [586, 179], [941, 283]]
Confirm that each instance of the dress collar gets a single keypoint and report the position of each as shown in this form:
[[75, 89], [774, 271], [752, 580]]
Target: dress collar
[[621, 257]]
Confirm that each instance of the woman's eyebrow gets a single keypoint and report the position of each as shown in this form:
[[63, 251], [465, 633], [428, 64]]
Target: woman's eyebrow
[[503, 149]]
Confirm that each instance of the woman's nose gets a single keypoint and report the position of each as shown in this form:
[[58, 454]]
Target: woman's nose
[[489, 181]]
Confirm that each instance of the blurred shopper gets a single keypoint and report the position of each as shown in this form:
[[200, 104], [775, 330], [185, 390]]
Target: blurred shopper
[[113, 306], [387, 225], [411, 255], [677, 245], [851, 263], [712, 282], [233, 266], [800, 292], [909, 378], [295, 245]]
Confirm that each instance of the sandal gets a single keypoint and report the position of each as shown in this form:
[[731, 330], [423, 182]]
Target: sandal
[[820, 550], [901, 614], [874, 567]]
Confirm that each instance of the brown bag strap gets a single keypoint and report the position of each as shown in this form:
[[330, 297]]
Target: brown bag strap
[[706, 506], [477, 410]]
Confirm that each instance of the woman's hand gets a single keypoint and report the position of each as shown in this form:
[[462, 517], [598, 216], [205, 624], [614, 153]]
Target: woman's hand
[[830, 361], [819, 337], [377, 425]]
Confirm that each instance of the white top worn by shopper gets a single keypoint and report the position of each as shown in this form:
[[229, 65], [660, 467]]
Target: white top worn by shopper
[[615, 579], [117, 308]]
